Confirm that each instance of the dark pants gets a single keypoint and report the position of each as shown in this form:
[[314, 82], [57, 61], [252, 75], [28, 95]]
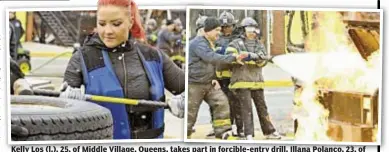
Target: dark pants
[[244, 96], [216, 99], [234, 105]]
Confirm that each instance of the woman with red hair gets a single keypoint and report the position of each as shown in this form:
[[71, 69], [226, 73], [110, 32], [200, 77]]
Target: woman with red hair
[[112, 63]]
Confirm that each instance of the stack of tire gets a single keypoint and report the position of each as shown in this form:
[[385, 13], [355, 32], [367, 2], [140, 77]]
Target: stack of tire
[[51, 118]]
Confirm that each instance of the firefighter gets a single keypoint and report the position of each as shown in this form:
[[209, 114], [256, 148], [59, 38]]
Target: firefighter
[[15, 71], [199, 32], [247, 80], [19, 31], [178, 28], [223, 74], [178, 45], [166, 38], [13, 42], [152, 32], [15, 74], [202, 59], [112, 63]]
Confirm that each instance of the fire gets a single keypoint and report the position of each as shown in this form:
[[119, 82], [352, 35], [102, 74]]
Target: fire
[[375, 132], [312, 119], [339, 66]]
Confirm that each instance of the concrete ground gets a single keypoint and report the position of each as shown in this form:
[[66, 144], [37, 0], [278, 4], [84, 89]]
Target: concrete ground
[[279, 103]]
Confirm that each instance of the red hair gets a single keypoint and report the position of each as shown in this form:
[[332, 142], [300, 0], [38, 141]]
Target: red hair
[[136, 30], [123, 3]]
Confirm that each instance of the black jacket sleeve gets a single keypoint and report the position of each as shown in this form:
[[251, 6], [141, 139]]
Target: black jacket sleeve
[[174, 77], [73, 73]]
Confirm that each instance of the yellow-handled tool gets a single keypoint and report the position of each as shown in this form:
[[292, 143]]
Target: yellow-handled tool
[[97, 98]]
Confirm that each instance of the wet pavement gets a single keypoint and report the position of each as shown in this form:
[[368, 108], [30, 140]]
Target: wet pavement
[[279, 103]]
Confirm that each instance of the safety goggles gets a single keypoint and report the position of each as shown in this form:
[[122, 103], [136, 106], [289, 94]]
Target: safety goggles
[[251, 29]]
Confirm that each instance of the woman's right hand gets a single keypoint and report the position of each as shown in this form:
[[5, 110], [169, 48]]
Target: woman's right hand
[[177, 105], [72, 93]]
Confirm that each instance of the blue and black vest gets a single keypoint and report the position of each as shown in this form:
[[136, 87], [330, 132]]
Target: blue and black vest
[[100, 79]]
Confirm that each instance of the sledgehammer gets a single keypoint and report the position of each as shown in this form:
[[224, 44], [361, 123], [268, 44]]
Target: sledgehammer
[[22, 87]]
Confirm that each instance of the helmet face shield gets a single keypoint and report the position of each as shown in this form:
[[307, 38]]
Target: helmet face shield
[[252, 29], [252, 32], [257, 31]]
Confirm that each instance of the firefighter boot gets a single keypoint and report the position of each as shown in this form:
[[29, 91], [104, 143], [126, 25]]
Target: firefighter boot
[[227, 136], [274, 135]]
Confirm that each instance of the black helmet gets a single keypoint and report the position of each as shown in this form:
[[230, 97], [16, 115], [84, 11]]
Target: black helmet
[[248, 21], [200, 22], [227, 19]]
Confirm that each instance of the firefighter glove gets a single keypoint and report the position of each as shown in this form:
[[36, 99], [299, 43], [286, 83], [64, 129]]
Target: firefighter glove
[[73, 93], [177, 105]]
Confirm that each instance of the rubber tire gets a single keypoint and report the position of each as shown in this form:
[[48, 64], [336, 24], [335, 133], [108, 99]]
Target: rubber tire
[[71, 120]]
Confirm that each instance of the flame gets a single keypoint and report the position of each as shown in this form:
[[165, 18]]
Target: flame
[[339, 67], [312, 119], [375, 133]]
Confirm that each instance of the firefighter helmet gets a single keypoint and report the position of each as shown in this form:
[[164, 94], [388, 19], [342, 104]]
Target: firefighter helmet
[[248, 21], [200, 22], [226, 19]]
